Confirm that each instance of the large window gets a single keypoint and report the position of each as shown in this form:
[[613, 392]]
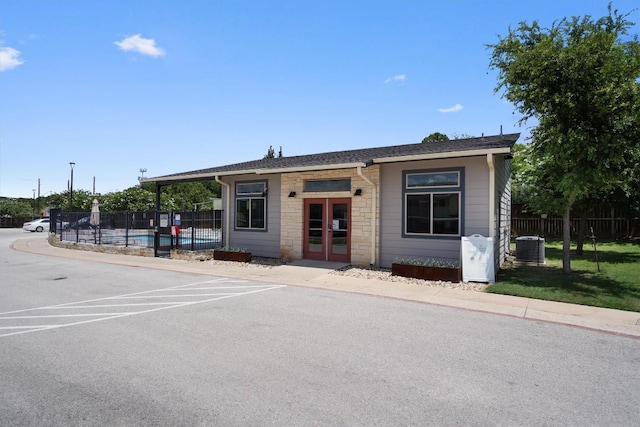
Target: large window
[[251, 205], [433, 202]]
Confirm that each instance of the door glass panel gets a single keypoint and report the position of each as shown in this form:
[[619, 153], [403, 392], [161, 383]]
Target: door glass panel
[[340, 229], [316, 228]]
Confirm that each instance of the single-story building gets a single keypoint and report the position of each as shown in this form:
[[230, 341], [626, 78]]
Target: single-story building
[[368, 206]]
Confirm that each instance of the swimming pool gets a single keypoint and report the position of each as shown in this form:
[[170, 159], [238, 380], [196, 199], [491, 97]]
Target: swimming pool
[[190, 240], [146, 240]]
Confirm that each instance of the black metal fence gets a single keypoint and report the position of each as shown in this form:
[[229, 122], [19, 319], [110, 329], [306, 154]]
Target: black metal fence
[[200, 230], [195, 230]]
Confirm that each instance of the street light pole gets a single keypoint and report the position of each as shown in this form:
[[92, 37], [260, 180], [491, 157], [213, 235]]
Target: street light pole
[[72, 164], [141, 177]]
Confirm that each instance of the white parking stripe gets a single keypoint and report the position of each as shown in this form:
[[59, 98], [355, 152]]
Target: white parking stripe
[[35, 327], [108, 298], [53, 316], [221, 287], [249, 289], [180, 295], [106, 305]]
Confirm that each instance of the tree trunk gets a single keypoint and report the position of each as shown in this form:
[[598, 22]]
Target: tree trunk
[[582, 231], [566, 241]]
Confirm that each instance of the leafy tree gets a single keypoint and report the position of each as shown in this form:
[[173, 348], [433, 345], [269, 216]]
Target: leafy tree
[[462, 136], [190, 194], [16, 208], [522, 169], [271, 154], [579, 80], [135, 199], [82, 200], [139, 198], [58, 200], [435, 136], [149, 186]]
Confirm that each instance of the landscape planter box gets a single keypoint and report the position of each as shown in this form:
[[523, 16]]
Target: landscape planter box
[[232, 256], [448, 274]]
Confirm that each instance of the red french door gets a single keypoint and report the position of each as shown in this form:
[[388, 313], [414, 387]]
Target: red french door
[[327, 229]]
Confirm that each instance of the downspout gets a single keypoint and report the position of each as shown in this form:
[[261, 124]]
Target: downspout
[[492, 196], [374, 196], [227, 209]]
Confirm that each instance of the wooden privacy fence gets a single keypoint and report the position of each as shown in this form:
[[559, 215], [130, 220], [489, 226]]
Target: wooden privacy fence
[[15, 222], [552, 227]]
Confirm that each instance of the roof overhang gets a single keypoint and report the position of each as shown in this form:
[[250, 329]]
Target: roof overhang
[[194, 176], [449, 154], [311, 168], [213, 174]]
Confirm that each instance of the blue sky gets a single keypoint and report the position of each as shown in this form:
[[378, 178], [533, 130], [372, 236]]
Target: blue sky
[[173, 86]]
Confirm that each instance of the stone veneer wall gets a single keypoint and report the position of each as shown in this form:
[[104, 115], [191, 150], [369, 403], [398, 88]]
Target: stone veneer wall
[[54, 240], [204, 255], [292, 208]]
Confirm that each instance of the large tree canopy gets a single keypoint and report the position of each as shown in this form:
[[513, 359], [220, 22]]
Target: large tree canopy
[[15, 208], [435, 136], [579, 79]]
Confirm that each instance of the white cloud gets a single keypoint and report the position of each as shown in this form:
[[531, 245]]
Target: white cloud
[[9, 58], [453, 109], [140, 45], [399, 78]]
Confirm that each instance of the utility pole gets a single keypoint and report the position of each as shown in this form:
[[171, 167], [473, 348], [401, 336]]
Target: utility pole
[[38, 203], [72, 164]]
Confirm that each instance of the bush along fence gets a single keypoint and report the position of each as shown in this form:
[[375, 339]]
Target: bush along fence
[[198, 230]]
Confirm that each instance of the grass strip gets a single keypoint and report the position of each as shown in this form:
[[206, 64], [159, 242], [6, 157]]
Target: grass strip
[[617, 285]]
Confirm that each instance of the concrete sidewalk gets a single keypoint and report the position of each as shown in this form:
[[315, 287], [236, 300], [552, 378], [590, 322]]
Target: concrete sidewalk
[[317, 275]]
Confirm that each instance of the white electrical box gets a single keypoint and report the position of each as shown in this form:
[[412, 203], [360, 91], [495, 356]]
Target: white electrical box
[[478, 264]]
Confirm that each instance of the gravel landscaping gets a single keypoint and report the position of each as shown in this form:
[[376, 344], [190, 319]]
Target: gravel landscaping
[[385, 274], [363, 273]]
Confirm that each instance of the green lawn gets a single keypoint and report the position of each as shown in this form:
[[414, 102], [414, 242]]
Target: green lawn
[[617, 285]]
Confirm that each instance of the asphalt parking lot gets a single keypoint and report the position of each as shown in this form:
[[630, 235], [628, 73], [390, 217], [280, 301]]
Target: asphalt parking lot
[[220, 350], [108, 308]]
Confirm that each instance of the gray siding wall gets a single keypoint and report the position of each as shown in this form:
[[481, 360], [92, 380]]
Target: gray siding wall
[[503, 209], [258, 242], [475, 215]]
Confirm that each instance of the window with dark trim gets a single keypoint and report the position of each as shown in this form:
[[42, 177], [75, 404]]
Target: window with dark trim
[[327, 185], [251, 205], [433, 202]]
